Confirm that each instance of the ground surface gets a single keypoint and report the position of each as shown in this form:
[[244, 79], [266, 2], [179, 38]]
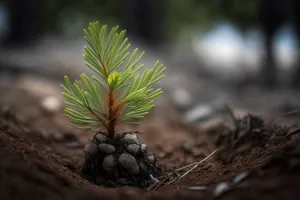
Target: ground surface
[[41, 155]]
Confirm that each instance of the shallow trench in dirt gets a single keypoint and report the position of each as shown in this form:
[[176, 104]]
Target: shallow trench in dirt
[[41, 156]]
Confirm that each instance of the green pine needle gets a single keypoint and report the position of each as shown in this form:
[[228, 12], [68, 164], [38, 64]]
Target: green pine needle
[[118, 93]]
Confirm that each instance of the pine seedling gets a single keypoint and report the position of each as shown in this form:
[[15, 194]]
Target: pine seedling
[[118, 93]]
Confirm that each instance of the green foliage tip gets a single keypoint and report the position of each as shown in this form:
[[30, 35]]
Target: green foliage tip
[[118, 93]]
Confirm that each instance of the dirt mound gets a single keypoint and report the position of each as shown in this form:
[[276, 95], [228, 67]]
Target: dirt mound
[[122, 161], [43, 163], [27, 172]]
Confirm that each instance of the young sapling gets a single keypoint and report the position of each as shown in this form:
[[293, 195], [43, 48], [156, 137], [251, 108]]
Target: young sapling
[[118, 94]]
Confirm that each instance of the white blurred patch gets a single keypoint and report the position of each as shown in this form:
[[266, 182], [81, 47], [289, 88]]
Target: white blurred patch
[[227, 53], [51, 103]]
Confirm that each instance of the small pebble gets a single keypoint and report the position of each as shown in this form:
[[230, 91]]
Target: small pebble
[[162, 155], [131, 138], [143, 148], [221, 188], [133, 149], [197, 188], [239, 178], [51, 103], [210, 124], [106, 148], [108, 163], [199, 113], [186, 149], [101, 138], [91, 149], [151, 159], [182, 98], [45, 135], [129, 162], [74, 144]]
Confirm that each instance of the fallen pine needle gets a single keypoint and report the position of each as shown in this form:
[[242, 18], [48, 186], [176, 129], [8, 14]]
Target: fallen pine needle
[[292, 112], [187, 166], [195, 165], [156, 181], [198, 164], [160, 183], [296, 131]]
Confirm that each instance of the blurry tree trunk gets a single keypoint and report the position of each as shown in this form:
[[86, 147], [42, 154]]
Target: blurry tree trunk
[[274, 14], [22, 21], [295, 16], [144, 19]]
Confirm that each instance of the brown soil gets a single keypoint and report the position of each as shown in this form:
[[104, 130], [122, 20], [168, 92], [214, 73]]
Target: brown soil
[[41, 155]]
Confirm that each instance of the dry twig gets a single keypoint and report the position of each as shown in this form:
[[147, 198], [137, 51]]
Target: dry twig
[[156, 184], [293, 132], [232, 115]]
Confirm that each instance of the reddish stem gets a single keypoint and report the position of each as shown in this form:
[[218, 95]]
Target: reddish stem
[[112, 121]]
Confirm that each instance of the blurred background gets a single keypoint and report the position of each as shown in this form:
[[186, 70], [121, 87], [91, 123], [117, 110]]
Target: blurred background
[[242, 53]]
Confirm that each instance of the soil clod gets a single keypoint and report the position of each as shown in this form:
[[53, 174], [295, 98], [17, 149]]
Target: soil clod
[[250, 132], [106, 148], [123, 158], [131, 138], [129, 163], [100, 137], [265, 159], [108, 163], [133, 149]]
